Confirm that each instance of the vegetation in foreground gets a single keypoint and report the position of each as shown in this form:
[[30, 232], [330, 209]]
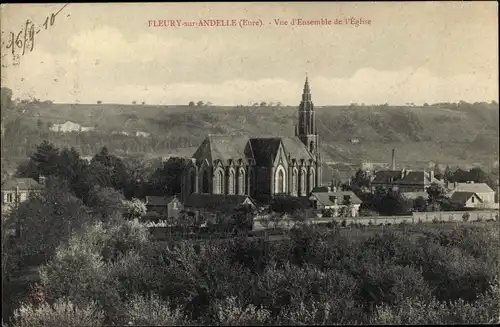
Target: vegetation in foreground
[[98, 266], [111, 272]]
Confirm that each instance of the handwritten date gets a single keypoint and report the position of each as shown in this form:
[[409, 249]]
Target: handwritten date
[[23, 41]]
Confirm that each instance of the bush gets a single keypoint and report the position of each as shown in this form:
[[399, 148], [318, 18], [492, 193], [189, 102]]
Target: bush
[[465, 217], [62, 313], [152, 311]]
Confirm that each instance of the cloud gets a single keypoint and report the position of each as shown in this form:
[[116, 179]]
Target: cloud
[[102, 64]]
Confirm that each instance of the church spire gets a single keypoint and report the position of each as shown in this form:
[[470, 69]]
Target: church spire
[[306, 94]]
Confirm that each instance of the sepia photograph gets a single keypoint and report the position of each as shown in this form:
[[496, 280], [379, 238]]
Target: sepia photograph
[[252, 163]]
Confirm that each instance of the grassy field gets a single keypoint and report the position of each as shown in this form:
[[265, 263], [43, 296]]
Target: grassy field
[[443, 133]]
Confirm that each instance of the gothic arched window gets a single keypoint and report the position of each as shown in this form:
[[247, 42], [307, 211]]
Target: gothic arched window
[[219, 182], [204, 182], [295, 180], [241, 181], [311, 147], [312, 180], [192, 181], [230, 183], [280, 181], [303, 182]]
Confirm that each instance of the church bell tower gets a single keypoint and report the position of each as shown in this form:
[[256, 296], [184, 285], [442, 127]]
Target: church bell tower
[[306, 129]]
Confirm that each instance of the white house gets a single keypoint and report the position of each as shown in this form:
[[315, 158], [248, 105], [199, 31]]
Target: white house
[[164, 206], [482, 190], [335, 200], [466, 200]]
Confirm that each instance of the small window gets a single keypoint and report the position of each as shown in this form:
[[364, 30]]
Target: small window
[[472, 200], [9, 197]]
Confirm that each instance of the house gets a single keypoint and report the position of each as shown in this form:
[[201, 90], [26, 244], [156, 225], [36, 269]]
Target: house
[[259, 167], [404, 181], [215, 207], [17, 190], [466, 200], [385, 179], [164, 206], [70, 127], [482, 190], [331, 198]]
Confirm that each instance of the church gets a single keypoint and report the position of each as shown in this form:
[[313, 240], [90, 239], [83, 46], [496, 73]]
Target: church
[[258, 167]]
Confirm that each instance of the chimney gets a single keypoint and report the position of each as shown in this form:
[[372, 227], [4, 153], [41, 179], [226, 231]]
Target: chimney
[[41, 180], [393, 159]]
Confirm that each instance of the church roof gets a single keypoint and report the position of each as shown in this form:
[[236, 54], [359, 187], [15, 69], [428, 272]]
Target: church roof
[[296, 149], [265, 149], [261, 149], [224, 147]]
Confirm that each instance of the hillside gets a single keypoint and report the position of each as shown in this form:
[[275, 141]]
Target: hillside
[[444, 133]]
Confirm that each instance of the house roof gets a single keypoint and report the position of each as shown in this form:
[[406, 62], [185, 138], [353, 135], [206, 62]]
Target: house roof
[[222, 202], [327, 198], [384, 176], [463, 197], [319, 189], [159, 200], [473, 187], [415, 177], [288, 200], [24, 184]]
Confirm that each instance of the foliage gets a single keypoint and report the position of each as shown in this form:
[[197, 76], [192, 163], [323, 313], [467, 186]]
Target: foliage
[[151, 311], [62, 313], [106, 201], [167, 179], [46, 220], [316, 276], [134, 209]]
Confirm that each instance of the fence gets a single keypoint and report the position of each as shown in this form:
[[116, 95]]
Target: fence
[[422, 217]]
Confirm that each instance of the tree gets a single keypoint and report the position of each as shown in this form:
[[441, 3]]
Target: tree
[[46, 159], [419, 204], [106, 202], [46, 220], [134, 102], [360, 180], [263, 104], [448, 174], [134, 209], [168, 179], [115, 165], [6, 98], [437, 195], [199, 103], [99, 102], [191, 103]]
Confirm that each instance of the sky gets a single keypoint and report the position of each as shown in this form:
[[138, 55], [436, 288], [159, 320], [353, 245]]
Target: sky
[[419, 52]]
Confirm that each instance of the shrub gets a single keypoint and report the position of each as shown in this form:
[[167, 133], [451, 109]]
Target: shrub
[[465, 217], [153, 311], [62, 313]]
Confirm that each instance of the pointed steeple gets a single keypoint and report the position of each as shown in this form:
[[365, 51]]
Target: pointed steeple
[[306, 85], [306, 94]]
